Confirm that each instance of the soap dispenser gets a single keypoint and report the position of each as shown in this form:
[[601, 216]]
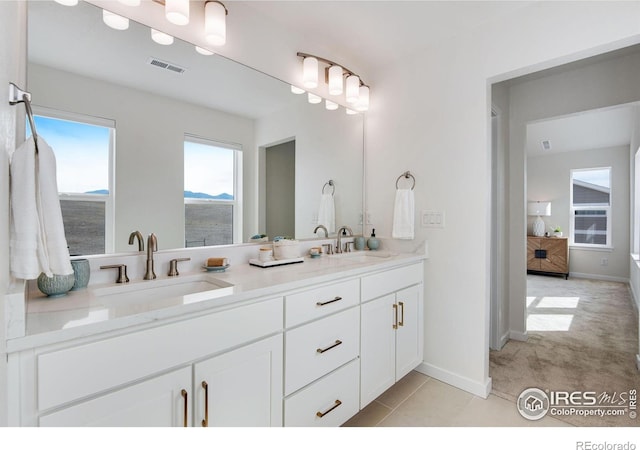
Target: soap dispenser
[[373, 242]]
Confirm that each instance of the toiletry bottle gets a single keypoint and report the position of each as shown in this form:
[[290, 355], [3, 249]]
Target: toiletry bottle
[[373, 242]]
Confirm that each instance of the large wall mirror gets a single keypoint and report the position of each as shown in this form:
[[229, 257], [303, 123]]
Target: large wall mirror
[[175, 120]]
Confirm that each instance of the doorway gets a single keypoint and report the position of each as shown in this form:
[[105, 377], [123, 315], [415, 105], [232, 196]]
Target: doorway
[[280, 189]]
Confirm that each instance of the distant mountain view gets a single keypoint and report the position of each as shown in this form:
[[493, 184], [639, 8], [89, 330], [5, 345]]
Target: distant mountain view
[[187, 194]]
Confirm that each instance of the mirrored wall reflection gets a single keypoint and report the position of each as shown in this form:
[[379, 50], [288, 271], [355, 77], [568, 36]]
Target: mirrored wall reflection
[[158, 96]]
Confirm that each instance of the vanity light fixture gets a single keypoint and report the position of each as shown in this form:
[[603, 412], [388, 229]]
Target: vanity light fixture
[[161, 38], [204, 51], [331, 106], [350, 111], [67, 2], [297, 90], [114, 20], [314, 99], [339, 78], [177, 11], [215, 22]]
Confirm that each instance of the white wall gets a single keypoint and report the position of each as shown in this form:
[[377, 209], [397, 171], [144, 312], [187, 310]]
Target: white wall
[[149, 149], [328, 147], [430, 115], [549, 178]]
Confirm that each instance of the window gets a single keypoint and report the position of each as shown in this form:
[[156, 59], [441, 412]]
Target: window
[[211, 192], [591, 207], [83, 147]]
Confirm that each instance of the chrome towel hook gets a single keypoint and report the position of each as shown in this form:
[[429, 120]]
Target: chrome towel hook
[[17, 95]]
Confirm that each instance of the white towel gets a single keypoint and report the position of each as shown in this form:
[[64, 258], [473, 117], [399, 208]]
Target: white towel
[[327, 213], [403, 214], [38, 243]]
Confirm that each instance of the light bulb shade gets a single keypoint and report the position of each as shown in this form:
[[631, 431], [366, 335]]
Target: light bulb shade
[[539, 208], [313, 98], [115, 21], [353, 88], [67, 2], [177, 11], [297, 90], [215, 23], [310, 72], [331, 106], [335, 80], [363, 99], [161, 38], [350, 111], [204, 51], [130, 2]]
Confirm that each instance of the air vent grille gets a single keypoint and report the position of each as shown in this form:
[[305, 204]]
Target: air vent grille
[[166, 65], [546, 145]]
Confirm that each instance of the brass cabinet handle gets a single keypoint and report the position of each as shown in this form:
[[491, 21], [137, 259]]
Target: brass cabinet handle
[[186, 407], [328, 301], [401, 323], [205, 421], [395, 313], [322, 350], [335, 405]]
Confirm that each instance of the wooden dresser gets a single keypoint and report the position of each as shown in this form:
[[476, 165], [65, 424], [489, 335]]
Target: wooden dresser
[[548, 255]]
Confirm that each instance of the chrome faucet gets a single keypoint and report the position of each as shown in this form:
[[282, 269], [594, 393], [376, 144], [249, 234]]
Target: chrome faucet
[[137, 234], [321, 227], [339, 243], [152, 246]]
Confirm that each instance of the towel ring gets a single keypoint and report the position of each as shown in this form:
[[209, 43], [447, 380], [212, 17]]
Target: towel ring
[[329, 183], [407, 175]]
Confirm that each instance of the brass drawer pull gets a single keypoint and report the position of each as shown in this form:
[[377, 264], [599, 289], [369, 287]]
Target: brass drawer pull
[[186, 407], [335, 405], [395, 313], [322, 350], [328, 301], [401, 323], [205, 421]]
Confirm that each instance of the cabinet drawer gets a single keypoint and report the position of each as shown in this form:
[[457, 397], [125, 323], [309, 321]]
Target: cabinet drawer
[[329, 402], [374, 286], [76, 372], [321, 301], [320, 347]]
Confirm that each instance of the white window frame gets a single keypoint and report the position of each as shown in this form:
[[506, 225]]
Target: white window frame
[[595, 206], [237, 182], [108, 199]]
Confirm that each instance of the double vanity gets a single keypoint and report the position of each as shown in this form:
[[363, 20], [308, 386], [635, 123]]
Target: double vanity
[[308, 344]]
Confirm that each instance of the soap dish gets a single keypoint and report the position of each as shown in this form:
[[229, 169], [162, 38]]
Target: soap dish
[[215, 268]]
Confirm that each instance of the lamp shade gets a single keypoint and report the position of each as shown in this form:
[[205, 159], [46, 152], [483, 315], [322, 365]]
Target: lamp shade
[[114, 20], [310, 72], [363, 99], [177, 11], [215, 23], [335, 80], [353, 88], [313, 98], [161, 38], [539, 208]]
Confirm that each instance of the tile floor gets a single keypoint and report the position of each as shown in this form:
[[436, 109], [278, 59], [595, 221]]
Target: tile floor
[[421, 401]]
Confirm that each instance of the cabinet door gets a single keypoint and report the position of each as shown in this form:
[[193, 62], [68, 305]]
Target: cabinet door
[[556, 260], [243, 387], [157, 402], [408, 333], [533, 262], [377, 348]]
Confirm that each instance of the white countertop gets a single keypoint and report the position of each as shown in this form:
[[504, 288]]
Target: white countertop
[[84, 313]]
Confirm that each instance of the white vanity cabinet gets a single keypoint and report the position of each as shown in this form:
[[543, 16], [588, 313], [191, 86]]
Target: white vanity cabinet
[[391, 329]]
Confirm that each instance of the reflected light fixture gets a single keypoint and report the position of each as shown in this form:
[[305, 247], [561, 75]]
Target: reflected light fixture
[[130, 2], [297, 90], [114, 20], [177, 11], [67, 2], [331, 106], [161, 38], [350, 111], [313, 98], [203, 51], [215, 22], [355, 90]]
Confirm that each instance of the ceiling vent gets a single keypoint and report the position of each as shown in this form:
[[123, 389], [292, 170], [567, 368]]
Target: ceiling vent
[[166, 65], [546, 145]]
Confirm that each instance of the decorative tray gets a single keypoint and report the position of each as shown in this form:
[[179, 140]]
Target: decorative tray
[[275, 262]]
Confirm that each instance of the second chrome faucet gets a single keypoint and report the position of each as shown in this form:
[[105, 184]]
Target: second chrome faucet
[[152, 246]]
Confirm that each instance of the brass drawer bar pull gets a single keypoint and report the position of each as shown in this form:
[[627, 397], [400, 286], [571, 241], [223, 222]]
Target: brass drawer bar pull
[[335, 405], [328, 301], [401, 323], [395, 312], [322, 350], [186, 407], [205, 421]]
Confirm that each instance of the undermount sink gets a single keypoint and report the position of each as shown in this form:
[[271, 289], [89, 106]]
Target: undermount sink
[[362, 256], [159, 289]]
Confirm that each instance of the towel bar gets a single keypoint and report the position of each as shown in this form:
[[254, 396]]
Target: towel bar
[[407, 175], [329, 183], [17, 95]]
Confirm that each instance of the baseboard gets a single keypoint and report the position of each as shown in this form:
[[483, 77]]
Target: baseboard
[[594, 276], [519, 336], [480, 389]]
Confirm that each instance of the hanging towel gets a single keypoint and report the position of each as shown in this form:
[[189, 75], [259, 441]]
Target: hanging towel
[[38, 243], [327, 212], [403, 214]]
